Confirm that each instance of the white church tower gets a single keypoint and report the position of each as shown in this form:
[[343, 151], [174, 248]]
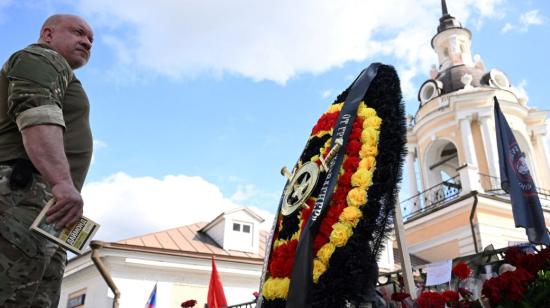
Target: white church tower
[[456, 205]]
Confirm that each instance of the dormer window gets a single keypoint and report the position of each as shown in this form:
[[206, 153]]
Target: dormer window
[[237, 230]]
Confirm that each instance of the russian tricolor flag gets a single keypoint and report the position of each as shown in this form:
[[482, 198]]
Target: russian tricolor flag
[[152, 302]]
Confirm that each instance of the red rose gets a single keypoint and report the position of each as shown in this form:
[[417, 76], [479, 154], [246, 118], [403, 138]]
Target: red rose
[[491, 290], [461, 270], [514, 256], [464, 292], [515, 292], [189, 303], [510, 286], [431, 300], [399, 296], [451, 297]]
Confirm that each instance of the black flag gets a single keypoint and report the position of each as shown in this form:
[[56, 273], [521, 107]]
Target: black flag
[[516, 180]]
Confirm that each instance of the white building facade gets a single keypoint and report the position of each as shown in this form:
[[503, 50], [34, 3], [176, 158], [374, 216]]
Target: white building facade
[[177, 260]]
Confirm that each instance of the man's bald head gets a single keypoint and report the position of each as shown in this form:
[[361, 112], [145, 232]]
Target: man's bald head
[[69, 35]]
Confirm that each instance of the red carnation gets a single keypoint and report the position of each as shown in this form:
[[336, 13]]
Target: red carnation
[[358, 124], [318, 242], [340, 194], [345, 179], [461, 270], [355, 134], [351, 163], [325, 123], [354, 146], [326, 228], [282, 259]]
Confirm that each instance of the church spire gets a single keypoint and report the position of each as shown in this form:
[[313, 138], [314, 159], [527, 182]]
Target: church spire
[[444, 8], [447, 21]]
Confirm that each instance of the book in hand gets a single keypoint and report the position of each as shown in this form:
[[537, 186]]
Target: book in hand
[[74, 238]]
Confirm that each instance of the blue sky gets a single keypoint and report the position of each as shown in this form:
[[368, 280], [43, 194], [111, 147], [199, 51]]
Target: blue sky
[[196, 105]]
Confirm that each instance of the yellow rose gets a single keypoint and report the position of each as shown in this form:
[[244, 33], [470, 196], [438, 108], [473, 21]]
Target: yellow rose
[[350, 215], [368, 150], [326, 252], [366, 112], [340, 234], [372, 122], [318, 269], [367, 162], [361, 178], [357, 197], [369, 136], [275, 288]]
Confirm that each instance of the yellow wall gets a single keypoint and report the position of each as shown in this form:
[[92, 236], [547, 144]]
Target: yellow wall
[[432, 229], [441, 252]]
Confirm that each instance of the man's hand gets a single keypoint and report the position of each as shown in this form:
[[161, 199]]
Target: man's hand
[[44, 145], [67, 209]]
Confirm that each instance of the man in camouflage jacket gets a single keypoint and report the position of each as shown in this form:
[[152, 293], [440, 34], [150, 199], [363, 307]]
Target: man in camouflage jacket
[[45, 152]]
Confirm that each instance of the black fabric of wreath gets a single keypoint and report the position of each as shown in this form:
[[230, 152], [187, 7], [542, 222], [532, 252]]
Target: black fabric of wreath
[[352, 273]]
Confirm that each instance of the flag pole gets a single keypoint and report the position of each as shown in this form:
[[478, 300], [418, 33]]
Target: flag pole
[[406, 267]]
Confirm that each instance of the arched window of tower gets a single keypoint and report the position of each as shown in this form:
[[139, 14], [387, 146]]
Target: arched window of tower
[[442, 163]]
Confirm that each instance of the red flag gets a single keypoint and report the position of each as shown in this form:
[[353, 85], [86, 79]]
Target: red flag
[[216, 296]]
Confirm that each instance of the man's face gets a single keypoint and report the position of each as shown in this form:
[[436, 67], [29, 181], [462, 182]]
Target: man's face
[[72, 37]]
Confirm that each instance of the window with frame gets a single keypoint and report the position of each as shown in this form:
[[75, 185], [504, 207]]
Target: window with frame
[[77, 299], [242, 227]]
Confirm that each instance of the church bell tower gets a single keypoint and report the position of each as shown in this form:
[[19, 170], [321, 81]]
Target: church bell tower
[[456, 205]]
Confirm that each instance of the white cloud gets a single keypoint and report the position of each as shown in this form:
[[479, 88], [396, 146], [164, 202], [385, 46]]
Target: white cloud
[[527, 19], [4, 4], [520, 90], [326, 94], [531, 18], [507, 28], [250, 195], [272, 40], [98, 144], [128, 206]]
